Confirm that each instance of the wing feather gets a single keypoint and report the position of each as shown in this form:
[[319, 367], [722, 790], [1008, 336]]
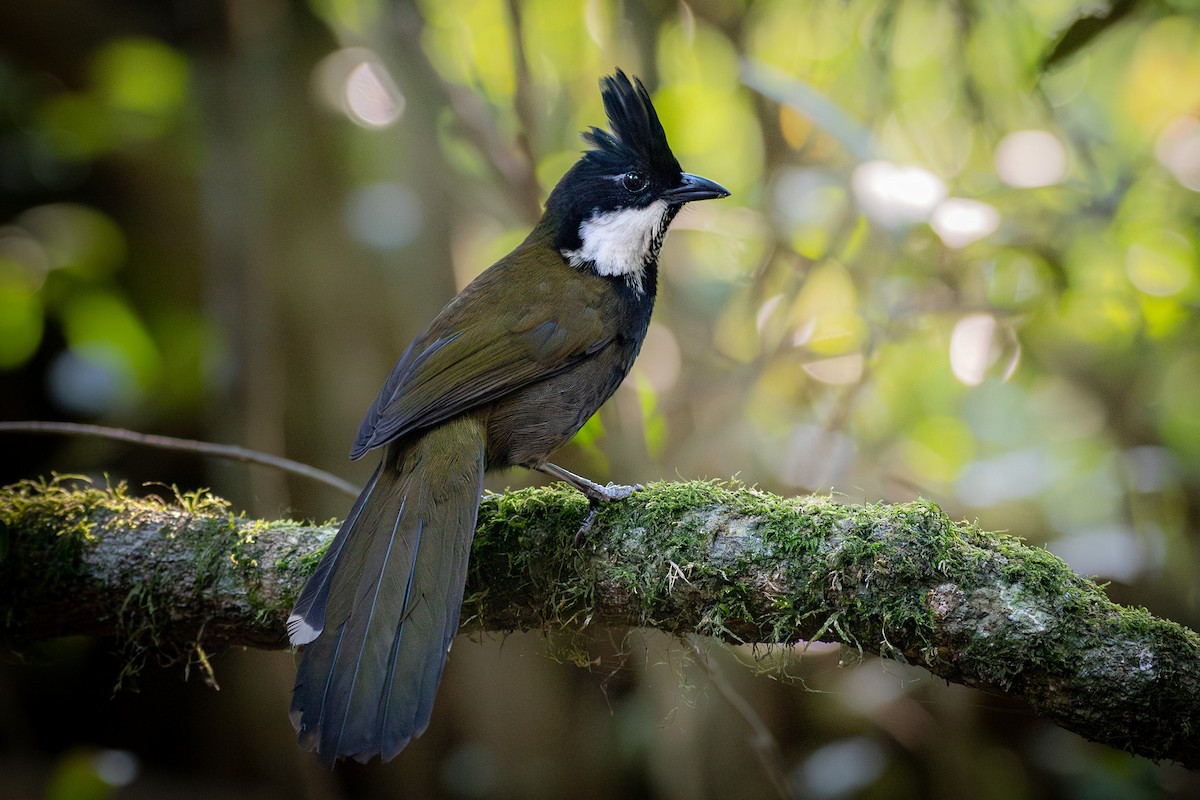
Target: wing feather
[[471, 354]]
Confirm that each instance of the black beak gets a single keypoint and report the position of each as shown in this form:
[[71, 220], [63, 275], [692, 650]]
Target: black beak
[[693, 187]]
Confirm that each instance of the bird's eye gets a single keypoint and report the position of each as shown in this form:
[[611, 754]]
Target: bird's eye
[[634, 181]]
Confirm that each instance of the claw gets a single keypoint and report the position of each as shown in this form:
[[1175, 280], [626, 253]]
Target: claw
[[581, 534], [614, 491]]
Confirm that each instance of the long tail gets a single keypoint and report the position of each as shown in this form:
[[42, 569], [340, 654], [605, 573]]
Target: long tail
[[377, 617]]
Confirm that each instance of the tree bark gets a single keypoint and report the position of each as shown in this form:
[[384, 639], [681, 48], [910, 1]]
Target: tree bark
[[903, 581]]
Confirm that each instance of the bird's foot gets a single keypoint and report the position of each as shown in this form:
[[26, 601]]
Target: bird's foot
[[609, 492], [595, 493]]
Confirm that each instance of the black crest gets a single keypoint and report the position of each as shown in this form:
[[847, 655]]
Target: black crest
[[637, 136], [635, 142]]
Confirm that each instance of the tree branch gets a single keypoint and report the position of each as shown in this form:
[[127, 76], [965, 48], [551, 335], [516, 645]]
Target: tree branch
[[902, 581]]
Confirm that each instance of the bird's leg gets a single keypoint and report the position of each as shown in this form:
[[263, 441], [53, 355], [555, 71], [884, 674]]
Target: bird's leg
[[595, 493]]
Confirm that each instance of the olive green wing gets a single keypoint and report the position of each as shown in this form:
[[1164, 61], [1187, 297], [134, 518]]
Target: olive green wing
[[491, 340]]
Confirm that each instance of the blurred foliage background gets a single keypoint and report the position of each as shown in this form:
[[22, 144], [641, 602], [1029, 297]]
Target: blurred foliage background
[[960, 261]]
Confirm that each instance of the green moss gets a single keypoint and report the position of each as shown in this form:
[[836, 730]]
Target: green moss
[[712, 558], [73, 510]]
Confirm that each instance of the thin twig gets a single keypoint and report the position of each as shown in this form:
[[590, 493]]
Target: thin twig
[[226, 451]]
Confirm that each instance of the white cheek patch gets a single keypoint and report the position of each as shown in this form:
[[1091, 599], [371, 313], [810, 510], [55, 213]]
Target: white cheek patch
[[621, 242]]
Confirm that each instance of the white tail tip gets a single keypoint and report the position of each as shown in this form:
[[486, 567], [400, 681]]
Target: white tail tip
[[299, 631]]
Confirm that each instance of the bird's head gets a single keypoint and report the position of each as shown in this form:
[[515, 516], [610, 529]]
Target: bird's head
[[612, 209]]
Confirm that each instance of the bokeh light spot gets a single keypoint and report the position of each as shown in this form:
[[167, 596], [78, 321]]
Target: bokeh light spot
[[841, 768], [959, 222], [972, 349], [140, 75], [77, 238], [355, 82], [1162, 266], [21, 324], [371, 98], [91, 379], [1178, 150], [893, 195], [116, 767], [385, 216], [1029, 159], [839, 370]]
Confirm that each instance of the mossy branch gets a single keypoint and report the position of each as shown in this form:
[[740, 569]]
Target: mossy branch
[[903, 581]]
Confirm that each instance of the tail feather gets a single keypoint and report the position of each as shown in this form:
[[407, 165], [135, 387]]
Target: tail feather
[[307, 619], [391, 596]]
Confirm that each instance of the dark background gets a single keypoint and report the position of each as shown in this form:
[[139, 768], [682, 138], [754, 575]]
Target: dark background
[[962, 264]]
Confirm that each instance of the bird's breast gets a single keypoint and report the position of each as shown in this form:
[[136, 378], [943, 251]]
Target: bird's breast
[[526, 426]]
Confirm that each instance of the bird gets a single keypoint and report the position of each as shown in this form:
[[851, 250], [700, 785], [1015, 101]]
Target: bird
[[505, 374]]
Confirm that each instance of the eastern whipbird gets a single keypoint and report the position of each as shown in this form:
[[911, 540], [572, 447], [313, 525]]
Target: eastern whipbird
[[506, 374]]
